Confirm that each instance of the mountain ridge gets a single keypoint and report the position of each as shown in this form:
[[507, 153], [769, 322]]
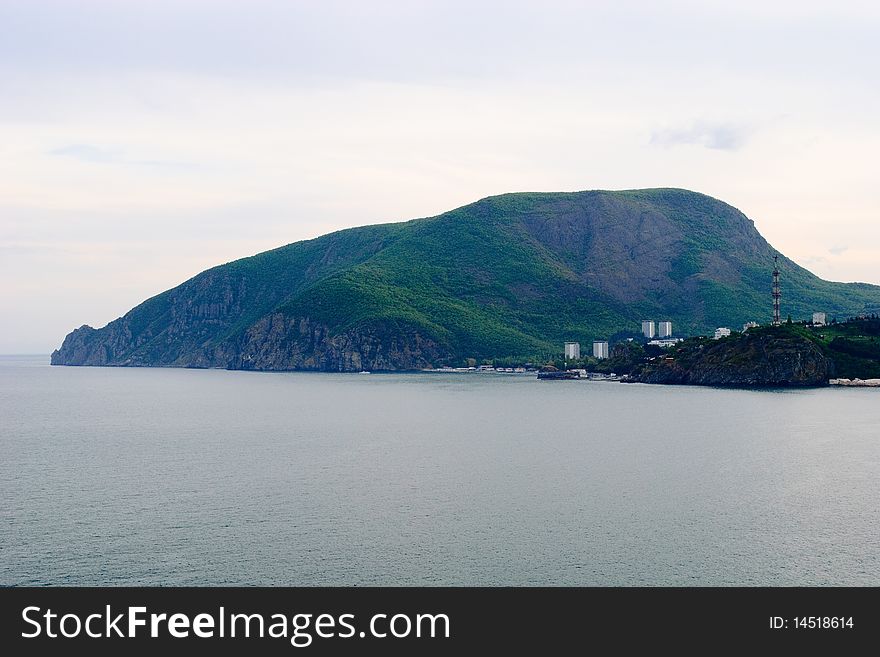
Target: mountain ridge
[[512, 275]]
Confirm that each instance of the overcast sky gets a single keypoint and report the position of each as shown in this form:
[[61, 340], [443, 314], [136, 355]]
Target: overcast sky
[[143, 141]]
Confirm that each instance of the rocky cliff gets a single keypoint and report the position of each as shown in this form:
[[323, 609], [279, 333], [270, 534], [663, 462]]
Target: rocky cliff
[[278, 342], [766, 356]]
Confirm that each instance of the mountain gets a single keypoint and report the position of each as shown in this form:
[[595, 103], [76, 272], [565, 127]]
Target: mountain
[[508, 276]]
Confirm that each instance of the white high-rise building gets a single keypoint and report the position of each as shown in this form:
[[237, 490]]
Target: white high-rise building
[[600, 349], [572, 350], [818, 319], [648, 328], [665, 329]]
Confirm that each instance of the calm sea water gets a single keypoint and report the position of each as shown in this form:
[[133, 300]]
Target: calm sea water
[[164, 476]]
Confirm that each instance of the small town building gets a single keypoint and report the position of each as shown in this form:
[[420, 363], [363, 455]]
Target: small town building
[[819, 319], [721, 332], [665, 342]]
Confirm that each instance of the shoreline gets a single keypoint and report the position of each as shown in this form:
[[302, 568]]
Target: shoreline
[[855, 383]]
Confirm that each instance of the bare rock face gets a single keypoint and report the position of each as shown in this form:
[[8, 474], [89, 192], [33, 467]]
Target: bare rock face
[[89, 346], [80, 348], [770, 359], [278, 342]]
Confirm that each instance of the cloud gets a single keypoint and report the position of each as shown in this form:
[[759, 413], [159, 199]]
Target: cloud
[[96, 155], [717, 136], [837, 250], [87, 153]]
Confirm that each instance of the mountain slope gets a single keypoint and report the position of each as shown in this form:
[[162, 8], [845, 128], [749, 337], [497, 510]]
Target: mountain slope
[[511, 275]]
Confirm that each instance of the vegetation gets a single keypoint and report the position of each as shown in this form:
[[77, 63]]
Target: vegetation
[[854, 346]]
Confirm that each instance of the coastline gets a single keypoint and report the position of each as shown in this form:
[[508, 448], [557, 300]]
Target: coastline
[[855, 383]]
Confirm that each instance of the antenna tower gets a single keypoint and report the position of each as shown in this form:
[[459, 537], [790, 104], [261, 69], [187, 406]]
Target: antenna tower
[[777, 319]]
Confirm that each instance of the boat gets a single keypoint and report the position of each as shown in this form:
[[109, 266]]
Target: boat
[[558, 376]]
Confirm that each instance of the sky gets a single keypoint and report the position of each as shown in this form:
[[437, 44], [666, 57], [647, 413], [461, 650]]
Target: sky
[[142, 142]]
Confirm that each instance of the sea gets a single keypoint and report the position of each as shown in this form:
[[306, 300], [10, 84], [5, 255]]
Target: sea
[[153, 476]]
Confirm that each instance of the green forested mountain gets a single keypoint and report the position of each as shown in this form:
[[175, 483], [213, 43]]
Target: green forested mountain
[[510, 275]]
